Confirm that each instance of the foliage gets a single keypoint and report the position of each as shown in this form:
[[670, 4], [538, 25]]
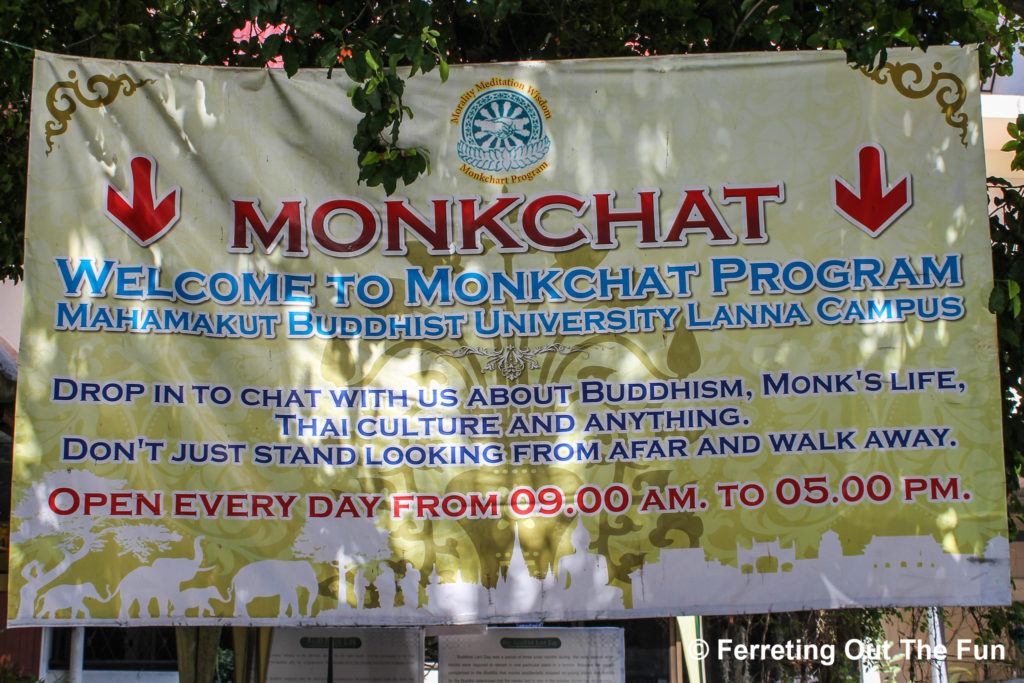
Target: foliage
[[194, 31], [225, 666], [9, 673], [380, 43], [987, 626], [1006, 226], [815, 628], [1000, 625]]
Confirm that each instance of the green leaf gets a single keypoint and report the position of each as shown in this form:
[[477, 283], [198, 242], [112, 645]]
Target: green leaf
[[373, 98], [371, 62], [997, 300], [355, 68], [1009, 336], [413, 47], [415, 164], [304, 19], [376, 175], [986, 17], [409, 175], [395, 84], [291, 59], [271, 47], [359, 100], [906, 36], [443, 70], [903, 19]]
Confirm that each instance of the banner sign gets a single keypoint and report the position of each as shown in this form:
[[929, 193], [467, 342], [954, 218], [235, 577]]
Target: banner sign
[[654, 336]]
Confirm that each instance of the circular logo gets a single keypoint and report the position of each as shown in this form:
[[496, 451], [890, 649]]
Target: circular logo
[[502, 130]]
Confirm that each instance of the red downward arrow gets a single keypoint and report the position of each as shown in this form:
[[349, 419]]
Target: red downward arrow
[[144, 219], [878, 204]]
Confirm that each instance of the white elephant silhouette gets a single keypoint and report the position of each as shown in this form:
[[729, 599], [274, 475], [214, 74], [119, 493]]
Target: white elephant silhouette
[[270, 578], [159, 581], [69, 596], [194, 598]]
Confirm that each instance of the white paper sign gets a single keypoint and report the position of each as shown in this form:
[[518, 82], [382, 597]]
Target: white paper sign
[[535, 655], [363, 655]]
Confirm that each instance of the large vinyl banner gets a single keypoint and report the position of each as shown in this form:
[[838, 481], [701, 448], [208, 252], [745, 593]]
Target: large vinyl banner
[[655, 336]]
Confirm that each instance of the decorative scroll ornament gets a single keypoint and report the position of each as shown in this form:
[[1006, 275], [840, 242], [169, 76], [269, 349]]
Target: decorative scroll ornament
[[509, 360], [62, 105], [909, 81]]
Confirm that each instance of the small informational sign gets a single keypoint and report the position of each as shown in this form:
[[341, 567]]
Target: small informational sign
[[534, 655], [365, 655]]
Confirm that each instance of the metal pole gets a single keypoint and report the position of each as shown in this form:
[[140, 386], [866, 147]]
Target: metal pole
[[937, 636], [44, 653], [330, 659], [77, 655]]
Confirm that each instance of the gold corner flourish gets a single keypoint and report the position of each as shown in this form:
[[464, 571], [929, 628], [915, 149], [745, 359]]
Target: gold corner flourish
[[909, 81], [62, 104]]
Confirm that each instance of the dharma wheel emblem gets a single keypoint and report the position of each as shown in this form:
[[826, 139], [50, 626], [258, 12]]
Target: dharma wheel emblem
[[502, 130]]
